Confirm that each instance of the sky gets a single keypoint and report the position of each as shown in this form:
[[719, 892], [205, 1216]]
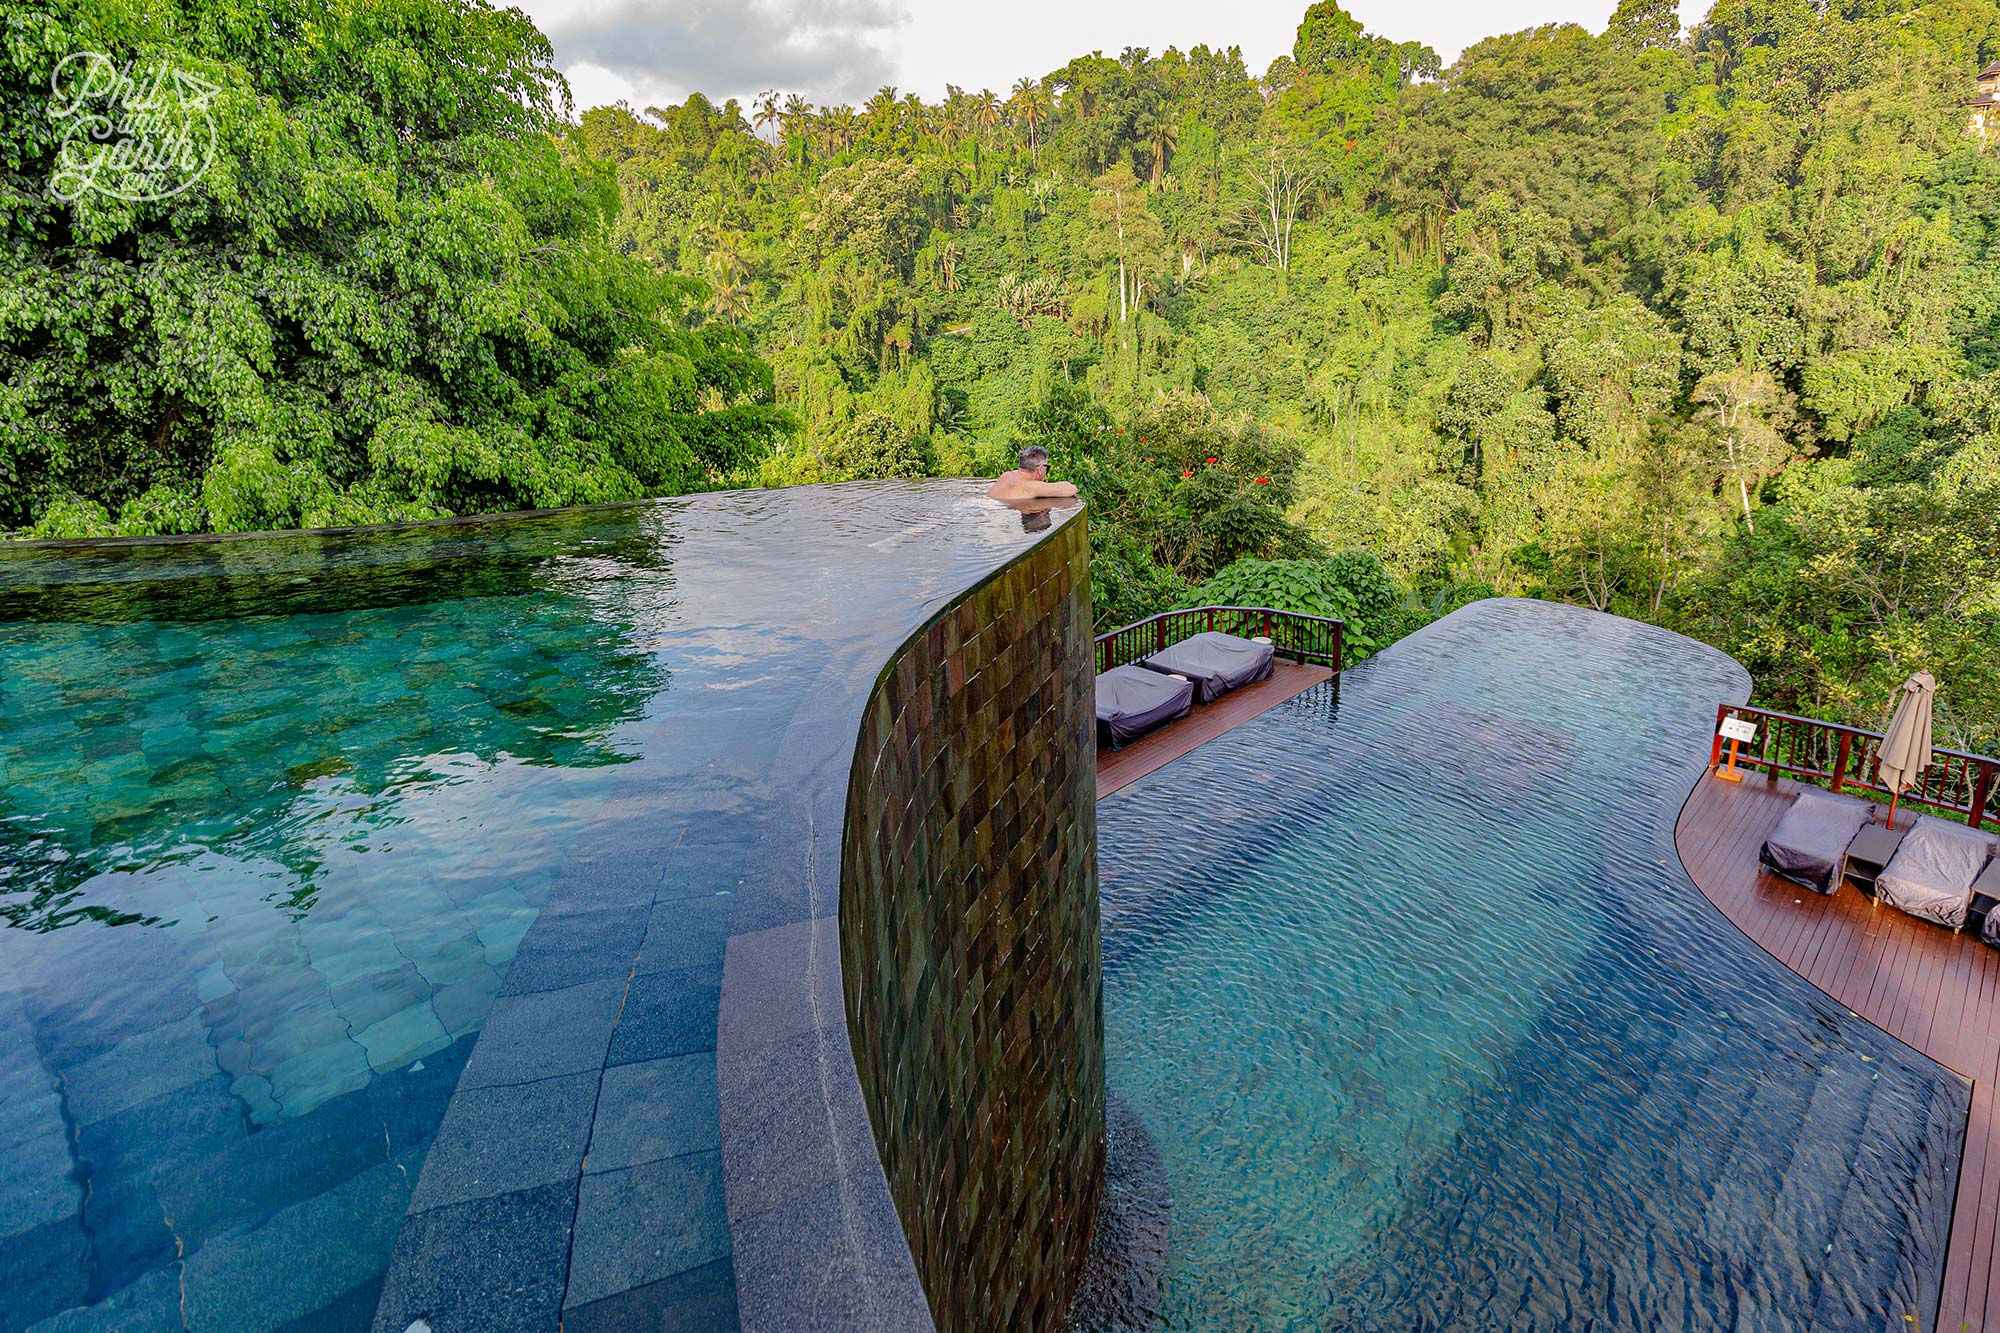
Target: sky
[[650, 52]]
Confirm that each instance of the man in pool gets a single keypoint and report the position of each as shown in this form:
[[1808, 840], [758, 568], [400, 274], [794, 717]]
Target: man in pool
[[1030, 481]]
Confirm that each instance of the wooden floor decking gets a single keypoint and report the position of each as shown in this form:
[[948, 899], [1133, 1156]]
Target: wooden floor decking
[[1936, 990], [1117, 768]]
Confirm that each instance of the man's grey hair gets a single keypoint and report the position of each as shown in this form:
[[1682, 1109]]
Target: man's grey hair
[[1034, 456]]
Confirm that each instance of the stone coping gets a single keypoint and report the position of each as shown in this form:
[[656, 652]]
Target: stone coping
[[662, 1120]]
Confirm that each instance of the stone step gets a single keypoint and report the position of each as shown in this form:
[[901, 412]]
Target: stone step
[[1864, 1287]]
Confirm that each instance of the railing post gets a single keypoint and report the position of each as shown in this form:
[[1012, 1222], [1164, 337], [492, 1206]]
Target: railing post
[[1840, 764], [1160, 633], [1267, 624], [1715, 741], [1339, 634], [1982, 789]]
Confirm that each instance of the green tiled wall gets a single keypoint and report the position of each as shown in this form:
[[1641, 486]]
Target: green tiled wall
[[969, 942]]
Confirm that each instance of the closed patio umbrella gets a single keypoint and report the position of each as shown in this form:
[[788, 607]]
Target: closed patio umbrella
[[1906, 746]]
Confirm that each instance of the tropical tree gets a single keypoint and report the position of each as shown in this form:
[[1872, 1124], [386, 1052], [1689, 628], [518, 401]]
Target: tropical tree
[[1751, 449], [1280, 189], [1160, 136], [390, 295], [1128, 236], [1029, 105]]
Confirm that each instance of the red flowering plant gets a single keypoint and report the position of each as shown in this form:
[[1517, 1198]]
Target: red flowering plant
[[1205, 489], [1161, 519]]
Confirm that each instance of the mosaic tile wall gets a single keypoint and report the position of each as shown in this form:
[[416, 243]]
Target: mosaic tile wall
[[969, 942]]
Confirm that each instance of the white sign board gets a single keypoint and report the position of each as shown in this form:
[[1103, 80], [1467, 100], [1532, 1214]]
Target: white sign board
[[1739, 729]]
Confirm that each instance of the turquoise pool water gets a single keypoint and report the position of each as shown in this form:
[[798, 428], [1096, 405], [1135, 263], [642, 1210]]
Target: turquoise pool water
[[276, 814], [1433, 1032]]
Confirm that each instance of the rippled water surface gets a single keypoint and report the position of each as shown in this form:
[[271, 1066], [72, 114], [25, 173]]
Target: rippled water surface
[[1433, 1032], [276, 813]]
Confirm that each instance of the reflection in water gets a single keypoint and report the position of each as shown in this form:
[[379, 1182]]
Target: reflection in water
[[308, 804], [274, 738], [1036, 514]]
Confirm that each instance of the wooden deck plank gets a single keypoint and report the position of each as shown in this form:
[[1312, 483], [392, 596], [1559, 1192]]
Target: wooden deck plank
[[1119, 768], [1976, 1209], [1936, 990]]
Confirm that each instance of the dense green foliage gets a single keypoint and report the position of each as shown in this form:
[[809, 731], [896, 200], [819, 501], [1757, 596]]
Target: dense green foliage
[[1691, 327], [1354, 587], [1702, 328], [390, 296]]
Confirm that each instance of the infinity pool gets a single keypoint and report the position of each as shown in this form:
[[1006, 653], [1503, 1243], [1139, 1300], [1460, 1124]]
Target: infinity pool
[[276, 815], [1433, 1032]]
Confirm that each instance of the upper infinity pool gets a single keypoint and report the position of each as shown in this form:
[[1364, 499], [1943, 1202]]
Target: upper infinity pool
[[1433, 1031], [276, 815]]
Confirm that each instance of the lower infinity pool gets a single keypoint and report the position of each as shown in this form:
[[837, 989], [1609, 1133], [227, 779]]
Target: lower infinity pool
[[1432, 1030]]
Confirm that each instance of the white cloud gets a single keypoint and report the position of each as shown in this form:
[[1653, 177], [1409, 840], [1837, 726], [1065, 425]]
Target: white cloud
[[653, 51], [660, 50]]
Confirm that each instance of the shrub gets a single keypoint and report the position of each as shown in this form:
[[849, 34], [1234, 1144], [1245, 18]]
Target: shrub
[[1353, 586]]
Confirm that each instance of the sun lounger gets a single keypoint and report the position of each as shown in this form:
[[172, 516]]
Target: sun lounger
[[1809, 846], [1931, 874], [1131, 701], [1985, 894], [1217, 663]]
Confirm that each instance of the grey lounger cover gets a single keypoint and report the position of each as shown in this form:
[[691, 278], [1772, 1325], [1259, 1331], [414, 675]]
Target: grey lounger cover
[[1810, 843], [1216, 662], [1931, 874], [1131, 701]]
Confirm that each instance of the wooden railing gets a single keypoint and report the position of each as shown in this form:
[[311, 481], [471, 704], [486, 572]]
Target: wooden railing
[[1306, 639], [1964, 786]]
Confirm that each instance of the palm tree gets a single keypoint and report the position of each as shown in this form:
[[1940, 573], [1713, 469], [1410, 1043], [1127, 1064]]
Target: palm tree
[[795, 124], [767, 110], [729, 301], [731, 297], [727, 257], [1030, 105], [955, 113], [916, 115], [843, 128], [986, 108], [881, 111]]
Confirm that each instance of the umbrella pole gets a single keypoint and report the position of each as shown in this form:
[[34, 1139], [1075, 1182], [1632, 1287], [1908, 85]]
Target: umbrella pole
[[1892, 810]]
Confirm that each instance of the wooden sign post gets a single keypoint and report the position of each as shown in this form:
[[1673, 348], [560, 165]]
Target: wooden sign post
[[1738, 732]]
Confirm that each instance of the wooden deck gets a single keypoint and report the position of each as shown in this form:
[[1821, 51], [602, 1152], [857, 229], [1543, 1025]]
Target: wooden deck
[[1118, 768], [1936, 990]]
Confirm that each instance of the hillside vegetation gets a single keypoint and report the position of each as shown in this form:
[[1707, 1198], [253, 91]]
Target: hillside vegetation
[[1702, 328]]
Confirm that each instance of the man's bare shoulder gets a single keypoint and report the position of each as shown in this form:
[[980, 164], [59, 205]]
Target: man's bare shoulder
[[1012, 486]]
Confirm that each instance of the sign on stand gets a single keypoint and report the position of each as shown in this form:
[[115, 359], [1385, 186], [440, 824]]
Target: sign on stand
[[1738, 731]]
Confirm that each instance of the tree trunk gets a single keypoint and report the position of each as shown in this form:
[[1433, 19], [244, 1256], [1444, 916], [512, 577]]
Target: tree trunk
[[1742, 489]]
